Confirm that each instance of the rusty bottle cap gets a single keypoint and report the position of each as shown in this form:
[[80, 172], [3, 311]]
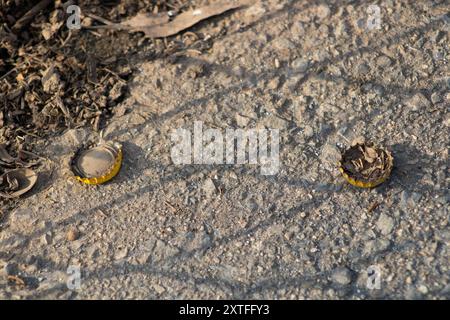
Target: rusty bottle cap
[[17, 182], [365, 165]]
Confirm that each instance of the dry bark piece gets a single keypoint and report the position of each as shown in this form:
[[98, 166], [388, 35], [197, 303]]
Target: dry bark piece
[[50, 29], [17, 182], [91, 68], [51, 81], [97, 164], [365, 165]]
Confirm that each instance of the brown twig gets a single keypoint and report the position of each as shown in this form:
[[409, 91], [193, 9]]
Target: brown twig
[[100, 19], [7, 73], [27, 17]]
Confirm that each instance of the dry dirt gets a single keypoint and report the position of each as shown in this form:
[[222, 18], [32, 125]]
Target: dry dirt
[[309, 68]]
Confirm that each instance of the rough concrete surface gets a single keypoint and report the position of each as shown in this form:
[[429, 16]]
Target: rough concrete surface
[[318, 73]]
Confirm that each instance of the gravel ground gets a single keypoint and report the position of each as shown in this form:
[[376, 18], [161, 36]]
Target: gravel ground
[[322, 76]]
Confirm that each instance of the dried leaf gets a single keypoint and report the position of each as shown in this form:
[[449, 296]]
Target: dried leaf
[[144, 20], [5, 156], [13, 183], [51, 81], [370, 154], [368, 172], [358, 140], [157, 26]]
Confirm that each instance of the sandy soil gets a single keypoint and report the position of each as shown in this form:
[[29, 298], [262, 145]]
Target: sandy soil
[[321, 76]]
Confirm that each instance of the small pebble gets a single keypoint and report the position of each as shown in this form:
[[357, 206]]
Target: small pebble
[[11, 268], [46, 239], [342, 276], [418, 102], [385, 224], [277, 63], [300, 65], [436, 97], [73, 234]]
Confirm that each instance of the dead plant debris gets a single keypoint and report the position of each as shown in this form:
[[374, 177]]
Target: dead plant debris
[[16, 281], [53, 78]]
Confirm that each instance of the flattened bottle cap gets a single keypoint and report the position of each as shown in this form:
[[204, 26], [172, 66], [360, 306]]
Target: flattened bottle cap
[[17, 182], [97, 164], [365, 165]]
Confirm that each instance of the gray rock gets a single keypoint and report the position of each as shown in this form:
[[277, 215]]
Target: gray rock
[[362, 69], [411, 293], [159, 289], [92, 252], [239, 71], [342, 276], [163, 250], [384, 61], [201, 241], [300, 64], [330, 154], [251, 204], [409, 200], [121, 254], [376, 246], [209, 188], [385, 224], [443, 199], [323, 11], [46, 239], [414, 199], [22, 218], [422, 289], [241, 121], [274, 83], [446, 290], [284, 46], [436, 97], [404, 196], [442, 235], [274, 122], [308, 132], [418, 102], [11, 268]]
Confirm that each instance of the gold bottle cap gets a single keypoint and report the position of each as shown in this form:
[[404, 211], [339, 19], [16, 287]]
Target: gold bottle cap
[[97, 164]]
